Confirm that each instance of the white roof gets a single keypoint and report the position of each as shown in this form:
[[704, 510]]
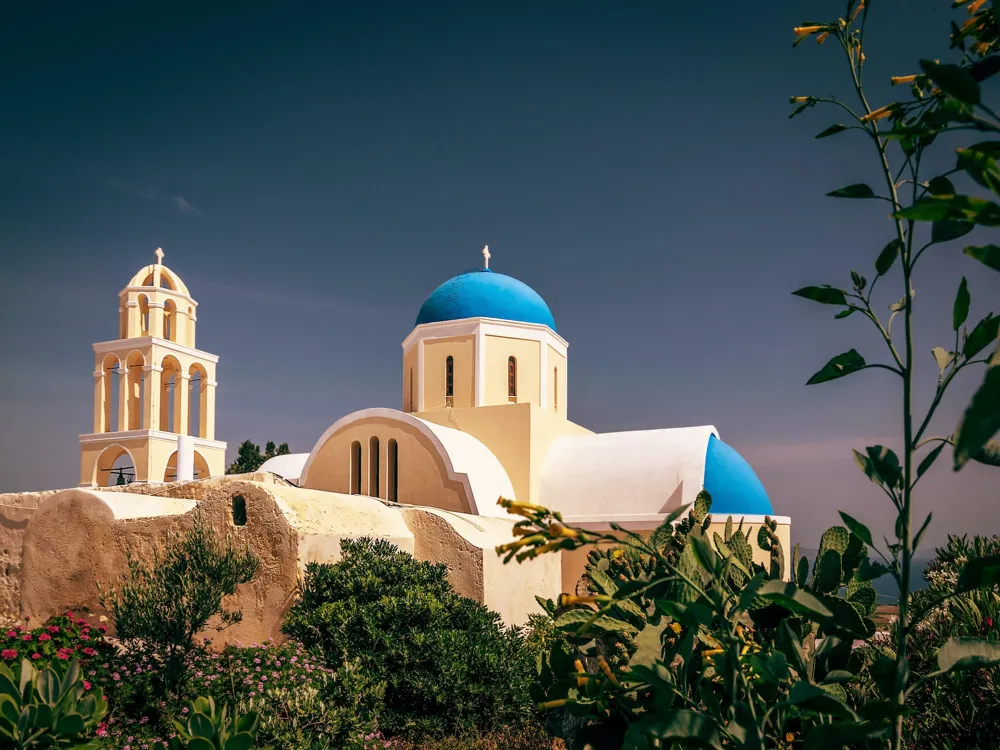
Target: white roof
[[287, 467], [637, 476]]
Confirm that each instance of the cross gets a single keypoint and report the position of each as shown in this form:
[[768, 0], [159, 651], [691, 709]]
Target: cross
[[159, 256], [486, 256]]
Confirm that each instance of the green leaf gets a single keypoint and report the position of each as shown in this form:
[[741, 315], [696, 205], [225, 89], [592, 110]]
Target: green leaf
[[967, 653], [802, 571], [981, 420], [850, 310], [858, 190], [574, 618], [812, 698], [829, 572], [940, 186], [857, 528], [826, 295], [983, 334], [241, 741], [926, 209], [953, 80], [942, 357], [680, 726], [794, 599], [201, 726], [923, 528], [946, 230], [979, 573], [832, 130], [648, 645], [929, 459], [960, 310], [70, 725], [988, 255], [887, 257], [200, 743], [838, 367]]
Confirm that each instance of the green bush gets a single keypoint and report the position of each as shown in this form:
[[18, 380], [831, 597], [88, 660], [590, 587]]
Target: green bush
[[448, 664], [48, 707], [204, 728], [159, 607]]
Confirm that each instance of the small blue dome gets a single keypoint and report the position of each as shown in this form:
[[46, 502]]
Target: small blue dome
[[481, 293], [733, 485]]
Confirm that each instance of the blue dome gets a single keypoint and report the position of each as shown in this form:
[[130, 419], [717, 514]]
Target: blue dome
[[733, 485], [481, 293]]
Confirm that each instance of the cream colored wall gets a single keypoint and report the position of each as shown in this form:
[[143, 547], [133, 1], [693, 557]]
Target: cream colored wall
[[519, 435], [528, 353], [410, 375], [150, 457], [574, 562], [557, 401], [436, 353], [423, 477]]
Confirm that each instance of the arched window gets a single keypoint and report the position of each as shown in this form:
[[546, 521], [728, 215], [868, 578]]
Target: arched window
[[512, 379], [170, 320], [143, 316], [373, 473], [555, 389], [392, 490], [449, 381], [355, 468]]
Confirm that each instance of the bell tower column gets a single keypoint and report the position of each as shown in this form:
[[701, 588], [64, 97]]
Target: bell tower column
[[99, 403], [150, 407], [123, 399]]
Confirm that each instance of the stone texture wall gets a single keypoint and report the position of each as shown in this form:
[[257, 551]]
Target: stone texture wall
[[16, 508]]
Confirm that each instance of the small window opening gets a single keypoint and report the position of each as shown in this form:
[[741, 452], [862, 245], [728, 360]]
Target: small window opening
[[449, 386], [239, 510], [355, 468], [373, 468], [393, 488], [512, 379], [555, 389]]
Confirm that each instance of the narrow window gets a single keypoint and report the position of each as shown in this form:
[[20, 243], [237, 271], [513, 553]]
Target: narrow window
[[555, 388], [449, 381], [239, 510], [512, 379], [373, 477], [393, 467], [355, 468], [411, 390]]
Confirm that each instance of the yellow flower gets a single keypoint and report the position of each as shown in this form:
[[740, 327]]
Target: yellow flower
[[602, 662], [895, 80], [878, 114], [976, 5], [617, 553], [565, 600], [822, 37], [676, 627], [799, 99], [557, 529], [789, 737], [801, 31]]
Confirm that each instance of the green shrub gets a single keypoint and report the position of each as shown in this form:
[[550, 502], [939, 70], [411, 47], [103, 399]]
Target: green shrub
[[204, 728], [160, 606], [448, 664], [48, 707]]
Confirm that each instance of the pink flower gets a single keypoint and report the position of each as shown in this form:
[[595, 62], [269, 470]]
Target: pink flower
[[26, 637], [45, 637], [11, 633], [86, 685], [84, 637], [62, 655], [89, 651], [8, 653], [36, 656], [103, 628], [53, 628], [116, 677]]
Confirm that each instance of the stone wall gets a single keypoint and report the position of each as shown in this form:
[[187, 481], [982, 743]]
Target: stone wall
[[16, 508]]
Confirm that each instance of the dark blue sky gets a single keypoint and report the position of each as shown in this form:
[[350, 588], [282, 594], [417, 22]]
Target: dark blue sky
[[313, 171]]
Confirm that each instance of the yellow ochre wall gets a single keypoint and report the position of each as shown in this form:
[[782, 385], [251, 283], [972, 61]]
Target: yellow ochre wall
[[556, 361], [423, 478], [436, 353], [528, 353], [411, 380], [150, 456]]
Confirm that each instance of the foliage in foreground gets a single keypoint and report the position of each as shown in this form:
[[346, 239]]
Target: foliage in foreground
[[47, 707], [249, 458], [684, 639], [159, 607], [447, 663]]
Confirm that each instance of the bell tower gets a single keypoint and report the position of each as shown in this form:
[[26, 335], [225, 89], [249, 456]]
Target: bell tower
[[154, 392]]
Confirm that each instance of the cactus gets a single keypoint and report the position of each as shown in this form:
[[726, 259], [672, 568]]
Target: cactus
[[702, 504], [207, 729], [802, 572], [51, 708]]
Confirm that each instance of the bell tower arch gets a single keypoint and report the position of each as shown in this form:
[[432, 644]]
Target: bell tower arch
[[143, 385]]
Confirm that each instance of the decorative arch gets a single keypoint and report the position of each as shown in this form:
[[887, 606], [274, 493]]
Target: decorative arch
[[170, 321], [172, 395], [201, 469], [109, 394], [135, 364], [198, 406], [464, 460], [143, 315], [104, 473]]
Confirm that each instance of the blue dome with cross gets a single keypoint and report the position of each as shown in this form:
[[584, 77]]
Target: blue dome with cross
[[481, 293]]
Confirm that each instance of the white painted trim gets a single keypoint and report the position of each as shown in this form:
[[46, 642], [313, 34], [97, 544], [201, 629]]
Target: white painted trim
[[211, 383], [480, 351], [118, 344], [154, 303], [420, 375], [467, 326], [426, 429], [152, 368], [131, 303], [98, 373], [112, 437]]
